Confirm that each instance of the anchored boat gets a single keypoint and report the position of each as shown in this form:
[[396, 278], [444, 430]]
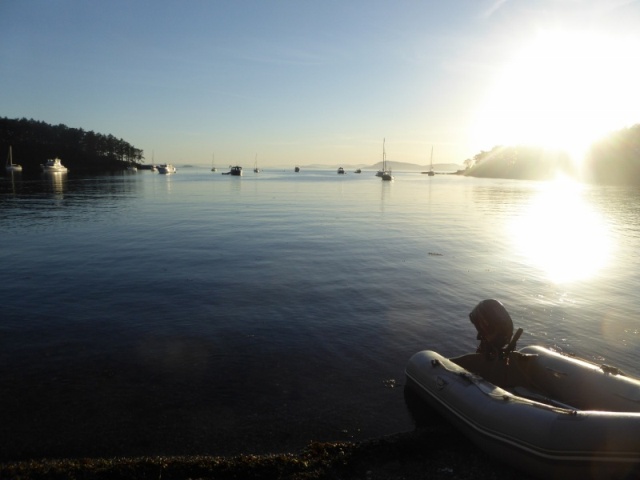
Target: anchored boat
[[53, 165], [431, 173], [384, 172], [10, 166], [235, 171], [546, 413], [166, 169]]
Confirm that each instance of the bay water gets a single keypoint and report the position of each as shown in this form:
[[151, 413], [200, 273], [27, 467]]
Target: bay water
[[198, 313]]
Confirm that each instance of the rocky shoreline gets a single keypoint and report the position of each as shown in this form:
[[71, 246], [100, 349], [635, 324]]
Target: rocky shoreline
[[437, 452], [434, 450]]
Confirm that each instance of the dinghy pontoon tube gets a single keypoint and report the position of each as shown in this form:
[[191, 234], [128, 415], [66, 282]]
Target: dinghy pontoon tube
[[545, 413]]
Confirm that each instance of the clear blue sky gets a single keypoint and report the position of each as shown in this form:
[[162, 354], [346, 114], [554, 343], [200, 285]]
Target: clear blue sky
[[300, 82]]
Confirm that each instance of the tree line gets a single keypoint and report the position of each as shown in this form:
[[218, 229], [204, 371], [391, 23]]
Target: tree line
[[612, 160], [33, 142]]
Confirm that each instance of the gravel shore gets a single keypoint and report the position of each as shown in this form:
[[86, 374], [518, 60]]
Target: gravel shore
[[427, 453]]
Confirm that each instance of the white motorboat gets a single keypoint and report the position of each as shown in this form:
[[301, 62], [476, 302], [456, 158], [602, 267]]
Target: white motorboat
[[166, 169], [12, 167], [53, 165], [543, 412]]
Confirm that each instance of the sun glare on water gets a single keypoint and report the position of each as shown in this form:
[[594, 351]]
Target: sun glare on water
[[563, 90], [561, 234]]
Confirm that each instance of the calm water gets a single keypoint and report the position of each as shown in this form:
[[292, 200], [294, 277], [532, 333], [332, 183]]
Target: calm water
[[147, 314]]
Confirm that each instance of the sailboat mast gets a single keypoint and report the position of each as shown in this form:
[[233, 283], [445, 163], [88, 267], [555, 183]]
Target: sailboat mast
[[384, 155]]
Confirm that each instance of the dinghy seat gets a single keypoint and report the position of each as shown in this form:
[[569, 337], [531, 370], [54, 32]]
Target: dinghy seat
[[509, 373]]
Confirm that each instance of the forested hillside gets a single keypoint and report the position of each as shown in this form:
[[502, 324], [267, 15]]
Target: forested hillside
[[613, 160], [33, 142], [616, 158], [522, 163]]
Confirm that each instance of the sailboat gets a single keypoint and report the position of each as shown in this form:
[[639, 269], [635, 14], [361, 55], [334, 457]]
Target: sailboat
[[255, 167], [431, 173], [213, 168], [12, 167], [380, 172], [153, 162], [385, 173]]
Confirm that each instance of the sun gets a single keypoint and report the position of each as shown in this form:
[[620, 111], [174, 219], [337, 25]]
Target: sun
[[563, 90]]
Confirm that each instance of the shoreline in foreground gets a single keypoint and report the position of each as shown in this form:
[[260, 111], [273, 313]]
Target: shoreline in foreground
[[436, 452]]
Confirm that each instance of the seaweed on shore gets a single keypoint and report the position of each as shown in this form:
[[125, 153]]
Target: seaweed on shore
[[424, 453]]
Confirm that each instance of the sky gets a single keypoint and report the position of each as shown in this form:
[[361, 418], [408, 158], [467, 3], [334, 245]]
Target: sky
[[301, 82]]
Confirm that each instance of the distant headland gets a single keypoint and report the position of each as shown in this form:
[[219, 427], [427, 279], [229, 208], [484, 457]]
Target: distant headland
[[33, 142], [612, 160]]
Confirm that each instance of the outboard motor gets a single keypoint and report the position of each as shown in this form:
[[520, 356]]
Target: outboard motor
[[495, 329]]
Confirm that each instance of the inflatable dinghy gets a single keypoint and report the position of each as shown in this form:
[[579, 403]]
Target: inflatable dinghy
[[545, 413]]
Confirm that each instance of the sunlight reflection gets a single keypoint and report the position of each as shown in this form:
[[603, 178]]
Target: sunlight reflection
[[560, 233]]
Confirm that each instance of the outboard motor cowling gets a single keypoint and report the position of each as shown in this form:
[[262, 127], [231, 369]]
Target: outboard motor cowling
[[495, 328]]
